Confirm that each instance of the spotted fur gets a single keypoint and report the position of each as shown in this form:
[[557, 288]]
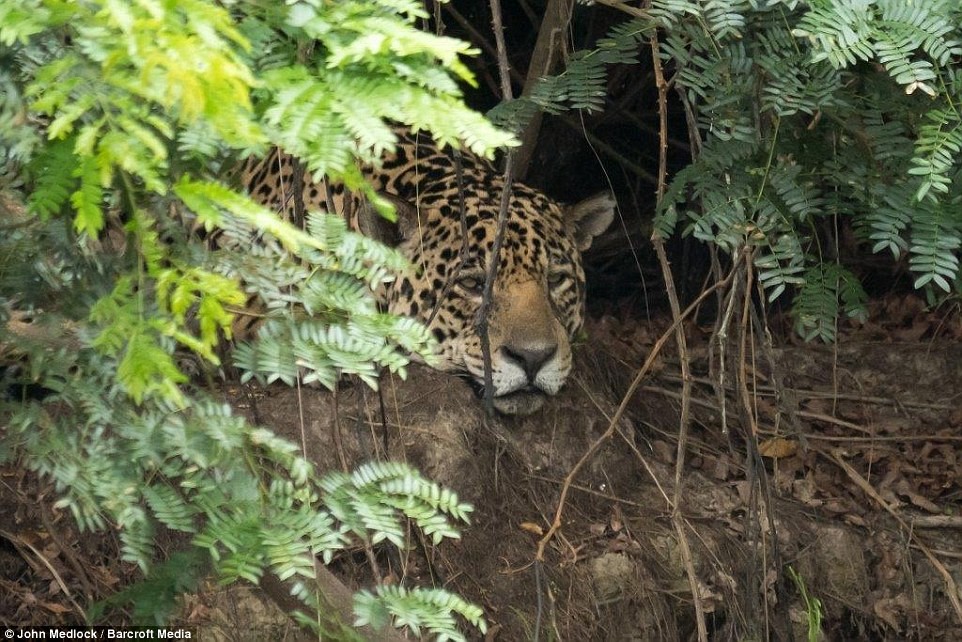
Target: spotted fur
[[539, 295]]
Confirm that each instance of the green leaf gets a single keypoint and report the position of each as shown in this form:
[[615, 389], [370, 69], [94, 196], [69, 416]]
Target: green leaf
[[88, 199]]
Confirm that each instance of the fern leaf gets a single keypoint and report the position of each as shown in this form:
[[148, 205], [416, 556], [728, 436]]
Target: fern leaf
[[934, 250], [88, 200], [55, 178], [828, 291], [938, 146]]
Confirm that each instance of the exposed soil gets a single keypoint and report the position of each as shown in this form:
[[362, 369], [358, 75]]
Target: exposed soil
[[850, 481]]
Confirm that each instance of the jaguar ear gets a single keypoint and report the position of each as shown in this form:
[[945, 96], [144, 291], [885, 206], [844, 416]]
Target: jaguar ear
[[591, 217], [372, 224]]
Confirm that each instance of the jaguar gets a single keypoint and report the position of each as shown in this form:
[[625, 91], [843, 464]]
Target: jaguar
[[447, 220]]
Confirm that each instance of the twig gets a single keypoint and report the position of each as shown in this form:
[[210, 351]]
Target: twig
[[785, 402], [637, 121], [818, 417], [504, 69], [888, 401], [833, 420], [681, 343], [9, 227], [662, 86], [300, 213], [805, 393], [621, 6], [677, 518], [754, 466], [936, 521], [18, 542], [741, 374], [372, 562], [336, 433], [591, 491], [67, 551], [529, 13], [665, 392], [720, 337], [876, 439], [651, 473], [494, 259]]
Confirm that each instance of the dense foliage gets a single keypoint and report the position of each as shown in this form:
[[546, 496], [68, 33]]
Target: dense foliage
[[812, 119], [118, 124], [816, 117]]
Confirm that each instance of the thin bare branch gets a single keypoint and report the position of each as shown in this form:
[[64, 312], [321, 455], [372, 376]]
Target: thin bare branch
[[677, 518], [623, 7], [494, 261]]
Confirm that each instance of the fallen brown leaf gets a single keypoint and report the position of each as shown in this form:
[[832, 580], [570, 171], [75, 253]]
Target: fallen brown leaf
[[778, 448]]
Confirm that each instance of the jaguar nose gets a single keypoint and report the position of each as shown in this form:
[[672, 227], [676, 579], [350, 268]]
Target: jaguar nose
[[530, 359]]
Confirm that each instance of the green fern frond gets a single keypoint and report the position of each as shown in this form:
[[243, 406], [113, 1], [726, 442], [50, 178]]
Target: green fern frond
[[828, 291], [781, 264], [55, 178], [170, 508], [136, 536], [937, 150], [87, 201], [793, 83], [376, 494], [726, 18], [801, 200], [431, 609], [933, 253], [840, 33], [582, 85], [927, 26]]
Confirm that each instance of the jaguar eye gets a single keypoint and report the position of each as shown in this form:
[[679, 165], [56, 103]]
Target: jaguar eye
[[472, 284], [556, 278]]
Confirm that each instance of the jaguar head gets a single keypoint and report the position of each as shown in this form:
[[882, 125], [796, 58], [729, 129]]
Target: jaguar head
[[537, 298]]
